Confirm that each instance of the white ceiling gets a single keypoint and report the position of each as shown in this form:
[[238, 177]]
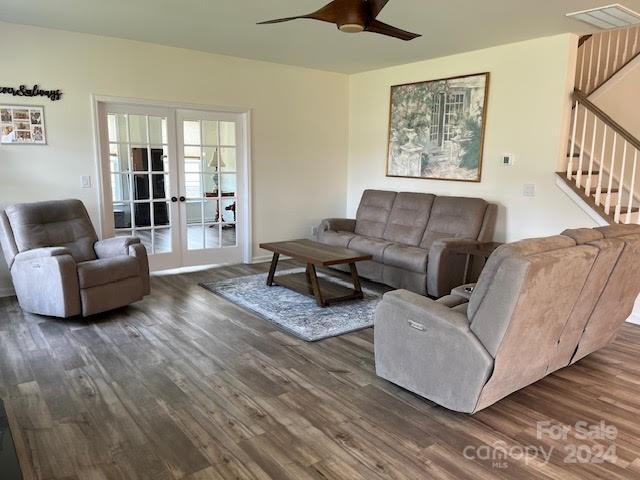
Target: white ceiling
[[228, 27]]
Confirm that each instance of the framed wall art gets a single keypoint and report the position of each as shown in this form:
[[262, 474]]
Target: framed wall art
[[22, 124], [436, 128]]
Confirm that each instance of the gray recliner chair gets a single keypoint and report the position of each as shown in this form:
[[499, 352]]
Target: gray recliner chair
[[60, 268], [539, 305]]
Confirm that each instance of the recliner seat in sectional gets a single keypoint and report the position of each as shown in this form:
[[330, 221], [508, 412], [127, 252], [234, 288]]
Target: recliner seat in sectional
[[539, 305], [409, 236]]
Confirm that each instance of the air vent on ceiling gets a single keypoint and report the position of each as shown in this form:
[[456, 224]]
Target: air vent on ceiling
[[611, 16]]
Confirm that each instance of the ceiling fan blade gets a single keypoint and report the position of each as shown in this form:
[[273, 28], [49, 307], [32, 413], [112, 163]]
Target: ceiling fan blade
[[376, 6], [382, 28], [329, 13], [281, 20]]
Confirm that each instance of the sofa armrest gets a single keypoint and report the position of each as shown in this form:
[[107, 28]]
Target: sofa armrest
[[114, 247], [464, 291], [139, 252], [445, 268], [40, 253], [429, 348], [337, 225]]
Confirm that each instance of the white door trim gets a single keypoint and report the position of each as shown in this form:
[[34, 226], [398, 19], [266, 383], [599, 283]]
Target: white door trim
[[98, 101]]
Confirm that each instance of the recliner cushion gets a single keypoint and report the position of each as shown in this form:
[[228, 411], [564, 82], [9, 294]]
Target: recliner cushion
[[107, 270], [408, 218], [406, 257], [373, 212], [370, 246], [454, 217], [60, 223]]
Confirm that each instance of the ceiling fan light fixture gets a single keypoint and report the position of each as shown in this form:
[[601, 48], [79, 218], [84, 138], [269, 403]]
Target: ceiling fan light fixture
[[351, 28]]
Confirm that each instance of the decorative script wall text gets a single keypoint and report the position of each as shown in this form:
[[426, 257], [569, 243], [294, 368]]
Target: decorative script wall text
[[36, 91]]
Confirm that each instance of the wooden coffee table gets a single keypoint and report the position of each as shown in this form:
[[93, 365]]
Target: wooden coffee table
[[316, 254]]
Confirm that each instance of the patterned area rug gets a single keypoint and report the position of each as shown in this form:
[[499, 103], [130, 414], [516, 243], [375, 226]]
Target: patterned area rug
[[298, 314]]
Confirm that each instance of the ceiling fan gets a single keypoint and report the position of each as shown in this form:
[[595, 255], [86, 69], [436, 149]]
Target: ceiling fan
[[354, 16]]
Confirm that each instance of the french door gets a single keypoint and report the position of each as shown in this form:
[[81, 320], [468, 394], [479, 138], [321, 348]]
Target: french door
[[175, 179]]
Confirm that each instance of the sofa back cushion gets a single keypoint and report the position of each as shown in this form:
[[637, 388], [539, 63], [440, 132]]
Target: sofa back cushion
[[62, 223], [525, 312], [373, 212], [615, 303], [454, 217], [408, 218]]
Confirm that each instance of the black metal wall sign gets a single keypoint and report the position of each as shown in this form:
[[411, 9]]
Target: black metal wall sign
[[36, 91]]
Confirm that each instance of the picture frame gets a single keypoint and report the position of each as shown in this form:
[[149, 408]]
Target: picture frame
[[22, 125], [437, 128]]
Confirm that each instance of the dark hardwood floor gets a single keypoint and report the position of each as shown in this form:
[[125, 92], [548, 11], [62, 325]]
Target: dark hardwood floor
[[186, 385]]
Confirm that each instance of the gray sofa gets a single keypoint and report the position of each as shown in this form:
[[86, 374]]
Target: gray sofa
[[410, 236], [539, 305], [58, 266]]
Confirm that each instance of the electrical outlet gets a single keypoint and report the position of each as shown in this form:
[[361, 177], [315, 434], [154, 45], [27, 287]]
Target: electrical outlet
[[529, 190], [85, 181]]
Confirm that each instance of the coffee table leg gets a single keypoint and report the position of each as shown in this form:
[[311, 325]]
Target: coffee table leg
[[272, 270], [357, 287], [316, 285]]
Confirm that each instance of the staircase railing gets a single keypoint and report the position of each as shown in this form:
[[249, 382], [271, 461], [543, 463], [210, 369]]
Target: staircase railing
[[603, 161], [604, 54]]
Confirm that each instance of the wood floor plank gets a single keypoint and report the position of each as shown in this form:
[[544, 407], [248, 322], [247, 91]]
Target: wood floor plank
[[186, 385]]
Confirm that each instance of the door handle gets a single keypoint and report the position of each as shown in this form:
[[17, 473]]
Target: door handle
[[174, 199], [182, 199]]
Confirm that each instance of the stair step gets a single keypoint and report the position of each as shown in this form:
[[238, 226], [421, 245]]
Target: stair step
[[604, 191]]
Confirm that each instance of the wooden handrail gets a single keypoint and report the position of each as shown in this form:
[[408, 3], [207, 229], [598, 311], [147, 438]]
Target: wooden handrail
[[582, 98]]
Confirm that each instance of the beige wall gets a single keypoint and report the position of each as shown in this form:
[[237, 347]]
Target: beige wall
[[619, 98], [299, 121], [527, 117]]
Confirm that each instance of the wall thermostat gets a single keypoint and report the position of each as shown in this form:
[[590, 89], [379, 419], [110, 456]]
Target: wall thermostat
[[507, 160]]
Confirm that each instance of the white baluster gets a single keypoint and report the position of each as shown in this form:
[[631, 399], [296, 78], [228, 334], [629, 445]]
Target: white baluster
[[621, 183], [607, 202], [592, 154], [632, 189], [590, 69], [583, 142], [596, 82], [572, 150], [600, 175], [606, 65]]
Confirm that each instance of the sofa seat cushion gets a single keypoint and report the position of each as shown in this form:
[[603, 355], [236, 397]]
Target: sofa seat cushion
[[107, 270], [336, 239], [370, 246], [406, 257]]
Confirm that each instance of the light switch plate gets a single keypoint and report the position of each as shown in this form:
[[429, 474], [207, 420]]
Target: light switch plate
[[85, 181], [529, 190]]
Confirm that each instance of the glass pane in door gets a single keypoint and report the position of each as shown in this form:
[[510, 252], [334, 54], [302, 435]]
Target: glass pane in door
[[140, 179], [210, 183]]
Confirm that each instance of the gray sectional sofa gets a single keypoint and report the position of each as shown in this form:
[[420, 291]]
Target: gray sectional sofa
[[410, 236], [60, 268], [539, 305]]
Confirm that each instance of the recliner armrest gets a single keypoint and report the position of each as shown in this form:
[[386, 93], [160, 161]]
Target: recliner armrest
[[114, 247], [464, 291], [39, 253], [445, 269], [434, 313], [337, 225]]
